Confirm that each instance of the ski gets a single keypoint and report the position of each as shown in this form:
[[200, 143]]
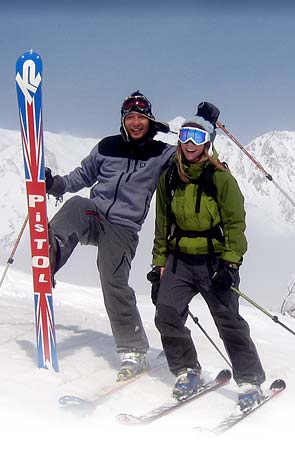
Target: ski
[[127, 419], [83, 406], [28, 86], [237, 416]]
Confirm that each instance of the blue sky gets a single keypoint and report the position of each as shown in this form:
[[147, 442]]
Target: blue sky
[[96, 53]]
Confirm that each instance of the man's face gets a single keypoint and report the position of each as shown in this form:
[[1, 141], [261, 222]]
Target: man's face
[[137, 125]]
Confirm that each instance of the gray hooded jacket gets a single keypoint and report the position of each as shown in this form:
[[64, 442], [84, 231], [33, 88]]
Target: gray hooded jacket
[[123, 176]]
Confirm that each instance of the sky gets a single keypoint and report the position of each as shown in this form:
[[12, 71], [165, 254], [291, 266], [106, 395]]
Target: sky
[[95, 53]]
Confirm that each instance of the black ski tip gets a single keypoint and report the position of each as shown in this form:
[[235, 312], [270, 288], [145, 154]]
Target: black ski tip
[[224, 375], [128, 419], [278, 385]]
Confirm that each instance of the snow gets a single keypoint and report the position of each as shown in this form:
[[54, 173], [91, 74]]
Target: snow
[[270, 216], [32, 423]]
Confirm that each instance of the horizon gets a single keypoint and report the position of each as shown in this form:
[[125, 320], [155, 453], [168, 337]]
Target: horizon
[[98, 54], [267, 267]]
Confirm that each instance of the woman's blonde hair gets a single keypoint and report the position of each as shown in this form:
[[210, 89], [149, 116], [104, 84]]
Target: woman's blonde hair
[[212, 158]]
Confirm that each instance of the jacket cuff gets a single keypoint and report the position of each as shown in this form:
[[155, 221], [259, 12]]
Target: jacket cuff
[[159, 261], [231, 259]]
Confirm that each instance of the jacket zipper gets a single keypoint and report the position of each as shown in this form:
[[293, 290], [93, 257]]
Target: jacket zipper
[[117, 188], [115, 197], [134, 169]]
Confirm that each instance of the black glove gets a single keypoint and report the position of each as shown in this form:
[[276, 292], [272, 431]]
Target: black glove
[[48, 178], [225, 275], [154, 276], [54, 184], [208, 111]]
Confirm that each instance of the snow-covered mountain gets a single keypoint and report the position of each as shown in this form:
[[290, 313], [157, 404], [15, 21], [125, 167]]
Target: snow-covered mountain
[[270, 216], [62, 152], [275, 151]]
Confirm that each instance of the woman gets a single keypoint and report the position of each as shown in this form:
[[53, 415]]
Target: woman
[[199, 246]]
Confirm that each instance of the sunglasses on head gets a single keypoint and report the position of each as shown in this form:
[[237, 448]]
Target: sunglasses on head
[[196, 135], [135, 102]]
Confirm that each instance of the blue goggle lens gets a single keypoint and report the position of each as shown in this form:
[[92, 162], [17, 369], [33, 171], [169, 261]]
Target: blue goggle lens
[[196, 135]]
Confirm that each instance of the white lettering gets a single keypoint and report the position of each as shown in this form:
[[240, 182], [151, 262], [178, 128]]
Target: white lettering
[[40, 243], [39, 228], [40, 262], [42, 278], [30, 81], [35, 199]]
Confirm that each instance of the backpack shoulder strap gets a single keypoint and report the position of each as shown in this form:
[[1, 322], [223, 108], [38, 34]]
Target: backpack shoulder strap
[[206, 185], [171, 181]]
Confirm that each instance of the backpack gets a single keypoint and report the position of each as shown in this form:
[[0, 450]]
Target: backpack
[[205, 185]]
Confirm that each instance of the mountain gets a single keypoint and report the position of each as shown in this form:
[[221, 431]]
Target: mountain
[[275, 152], [267, 266], [62, 152]]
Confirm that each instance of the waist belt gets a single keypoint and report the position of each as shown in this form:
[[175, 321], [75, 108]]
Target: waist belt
[[213, 233]]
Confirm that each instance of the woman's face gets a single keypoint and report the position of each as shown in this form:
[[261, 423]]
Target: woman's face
[[192, 152]]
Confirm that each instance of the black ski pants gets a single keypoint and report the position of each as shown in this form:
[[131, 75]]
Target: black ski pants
[[176, 291], [79, 221]]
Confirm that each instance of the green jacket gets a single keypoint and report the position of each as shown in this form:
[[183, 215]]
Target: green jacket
[[228, 212]]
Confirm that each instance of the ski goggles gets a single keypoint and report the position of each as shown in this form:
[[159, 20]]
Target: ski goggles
[[136, 102], [196, 135]]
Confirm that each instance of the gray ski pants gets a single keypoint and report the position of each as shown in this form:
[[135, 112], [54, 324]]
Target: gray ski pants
[[79, 221], [176, 291]]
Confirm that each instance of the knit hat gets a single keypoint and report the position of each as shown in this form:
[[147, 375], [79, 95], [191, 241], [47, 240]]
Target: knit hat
[[137, 102], [200, 121]]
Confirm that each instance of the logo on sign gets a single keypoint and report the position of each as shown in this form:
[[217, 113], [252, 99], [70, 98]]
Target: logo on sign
[[30, 81]]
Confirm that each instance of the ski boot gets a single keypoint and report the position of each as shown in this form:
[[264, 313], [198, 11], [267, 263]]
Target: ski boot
[[133, 364], [188, 382], [249, 395]]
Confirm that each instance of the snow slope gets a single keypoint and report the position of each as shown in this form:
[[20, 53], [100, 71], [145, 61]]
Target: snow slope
[[32, 424]]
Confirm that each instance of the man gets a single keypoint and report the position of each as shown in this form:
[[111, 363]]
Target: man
[[123, 171]]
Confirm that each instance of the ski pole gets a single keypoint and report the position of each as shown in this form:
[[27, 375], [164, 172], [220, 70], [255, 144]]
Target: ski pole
[[274, 318], [257, 164], [196, 321], [11, 260]]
